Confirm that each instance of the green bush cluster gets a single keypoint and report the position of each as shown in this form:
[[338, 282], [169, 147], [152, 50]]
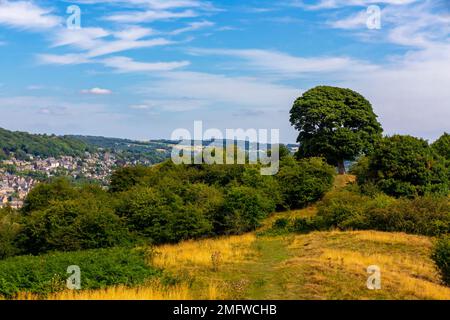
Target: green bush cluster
[[349, 210], [405, 166], [441, 256], [297, 225], [160, 204], [99, 268]]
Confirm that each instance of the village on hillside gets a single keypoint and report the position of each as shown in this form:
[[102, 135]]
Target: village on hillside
[[18, 177]]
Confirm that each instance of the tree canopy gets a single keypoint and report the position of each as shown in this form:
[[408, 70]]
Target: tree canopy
[[335, 123]]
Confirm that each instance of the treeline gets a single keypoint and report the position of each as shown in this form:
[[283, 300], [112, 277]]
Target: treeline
[[161, 204], [23, 144]]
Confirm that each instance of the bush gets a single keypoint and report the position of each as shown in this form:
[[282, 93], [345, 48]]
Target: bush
[[72, 225], [305, 225], [244, 208], [405, 166], [346, 210], [9, 230], [163, 217], [99, 268], [304, 182], [441, 256], [427, 215]]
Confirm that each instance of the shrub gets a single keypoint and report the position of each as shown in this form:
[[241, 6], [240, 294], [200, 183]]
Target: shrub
[[429, 215], [72, 225], [9, 230], [305, 225], [163, 216], [244, 208], [305, 181], [99, 268], [281, 223], [424, 215], [405, 166], [441, 256]]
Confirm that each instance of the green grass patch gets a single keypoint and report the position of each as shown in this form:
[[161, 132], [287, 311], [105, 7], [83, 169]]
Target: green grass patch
[[99, 268]]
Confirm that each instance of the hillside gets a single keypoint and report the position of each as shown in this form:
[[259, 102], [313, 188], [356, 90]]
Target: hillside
[[318, 265], [22, 144]]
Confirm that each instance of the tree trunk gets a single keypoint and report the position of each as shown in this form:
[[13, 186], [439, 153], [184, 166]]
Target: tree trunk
[[341, 167]]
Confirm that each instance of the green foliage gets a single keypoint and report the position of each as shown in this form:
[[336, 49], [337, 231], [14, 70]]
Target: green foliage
[[99, 268], [347, 210], [441, 256], [304, 182], [335, 123], [296, 225], [127, 177], [23, 144], [442, 146], [41, 196], [61, 216], [244, 208], [73, 225], [162, 204], [404, 166], [9, 230], [163, 217]]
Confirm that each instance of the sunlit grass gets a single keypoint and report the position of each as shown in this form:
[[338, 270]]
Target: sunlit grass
[[195, 254]]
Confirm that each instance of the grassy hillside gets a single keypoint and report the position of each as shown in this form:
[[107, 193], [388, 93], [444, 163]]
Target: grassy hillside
[[318, 265]]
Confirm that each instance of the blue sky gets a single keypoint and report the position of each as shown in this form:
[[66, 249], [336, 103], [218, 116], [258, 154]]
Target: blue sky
[[143, 68]]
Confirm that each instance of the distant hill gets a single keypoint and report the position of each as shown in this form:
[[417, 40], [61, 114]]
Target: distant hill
[[22, 144], [151, 151]]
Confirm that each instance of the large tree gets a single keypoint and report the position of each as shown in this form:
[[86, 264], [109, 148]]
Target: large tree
[[335, 123]]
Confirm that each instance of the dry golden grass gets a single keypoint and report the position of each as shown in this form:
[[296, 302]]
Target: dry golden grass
[[391, 238], [150, 292], [201, 253], [339, 260]]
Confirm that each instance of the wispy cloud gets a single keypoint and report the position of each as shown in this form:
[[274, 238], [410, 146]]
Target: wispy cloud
[[97, 91], [125, 64], [150, 16], [193, 26], [27, 15], [284, 64], [62, 59], [214, 90]]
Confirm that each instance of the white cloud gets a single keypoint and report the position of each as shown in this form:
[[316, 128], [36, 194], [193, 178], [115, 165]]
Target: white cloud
[[194, 26], [63, 59], [124, 45], [219, 90], [410, 94], [91, 40], [97, 91], [333, 4], [357, 20], [134, 33], [125, 64], [150, 16], [85, 38], [288, 65], [153, 4], [26, 15]]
